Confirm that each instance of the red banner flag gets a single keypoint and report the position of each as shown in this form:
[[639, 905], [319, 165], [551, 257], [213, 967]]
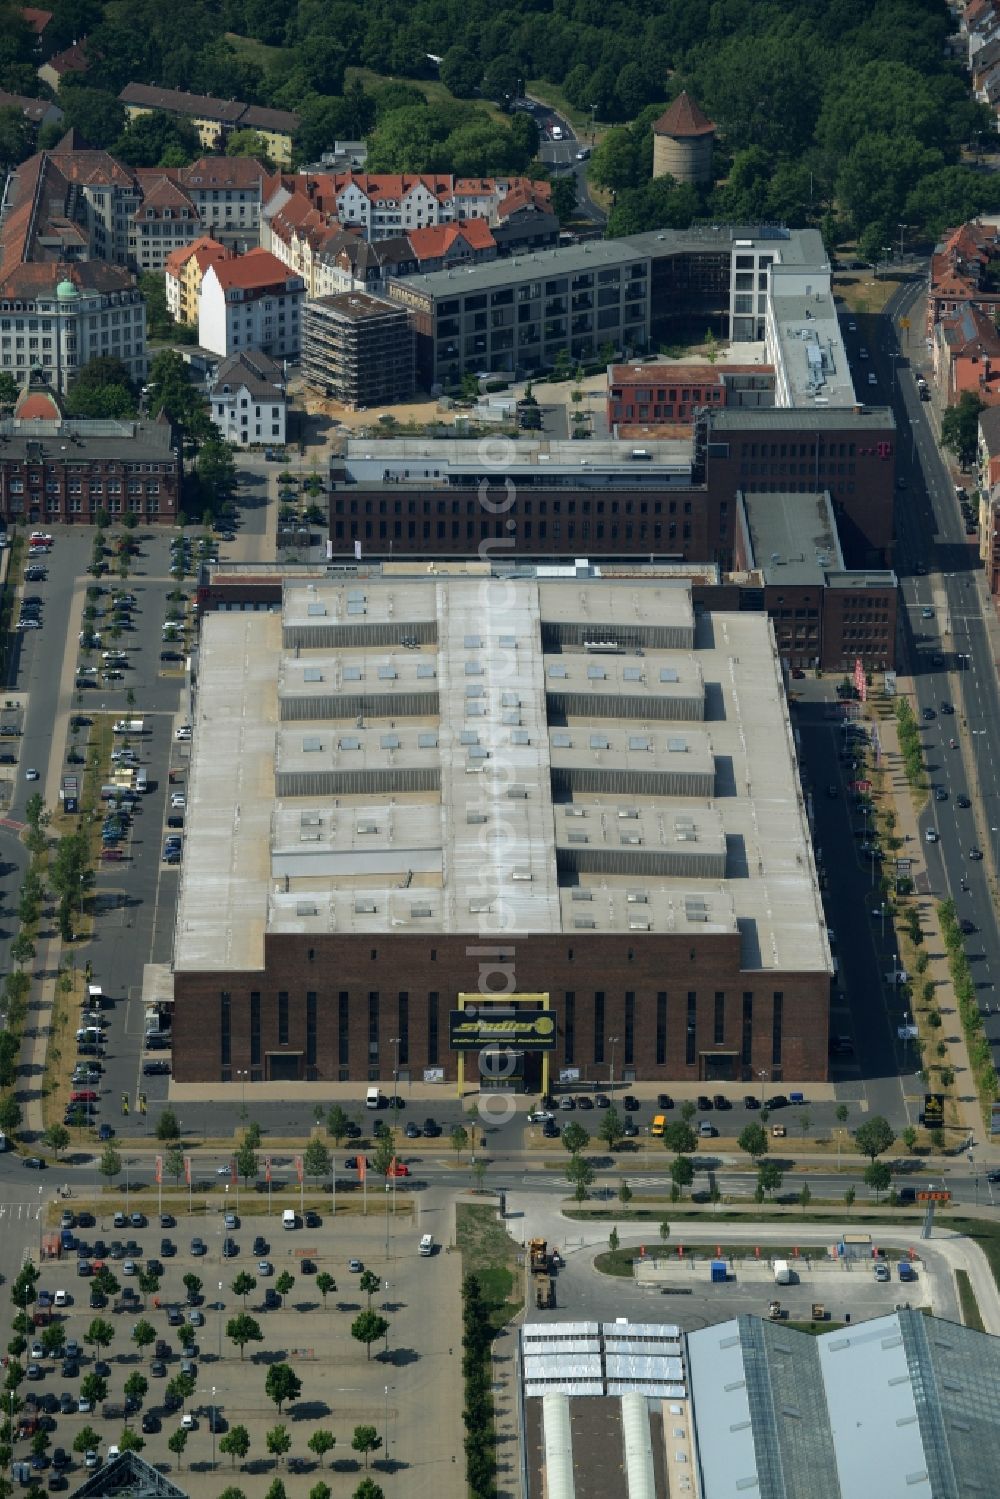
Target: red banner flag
[[232, 1171], [267, 1169], [159, 1169], [298, 1168], [187, 1169], [362, 1168]]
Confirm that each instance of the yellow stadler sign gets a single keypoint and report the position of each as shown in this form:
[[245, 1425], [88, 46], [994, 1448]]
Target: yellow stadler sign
[[484, 1025]]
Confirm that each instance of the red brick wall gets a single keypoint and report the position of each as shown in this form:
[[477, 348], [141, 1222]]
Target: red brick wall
[[675, 964]]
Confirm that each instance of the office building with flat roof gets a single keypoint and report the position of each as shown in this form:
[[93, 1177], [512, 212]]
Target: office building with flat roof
[[431, 810]]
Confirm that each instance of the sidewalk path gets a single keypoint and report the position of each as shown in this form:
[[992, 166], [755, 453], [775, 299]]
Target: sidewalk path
[[49, 949]]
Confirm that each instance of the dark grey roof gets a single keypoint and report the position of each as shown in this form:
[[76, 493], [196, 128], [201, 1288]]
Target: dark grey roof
[[792, 419], [257, 371], [128, 1476], [79, 441]]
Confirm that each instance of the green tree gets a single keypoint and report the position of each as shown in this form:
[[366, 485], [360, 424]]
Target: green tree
[[9, 390], [279, 1440], [284, 1284], [173, 1164], [231, 1491], [100, 1334], [143, 1334], [56, 1137], [909, 1138], [216, 472], [102, 388], [110, 1164], [148, 1284], [753, 1140], [276, 1490], [366, 1439], [580, 1175], [575, 1138], [167, 1128], [564, 197], [235, 1444], [336, 1124], [805, 1196], [680, 1137], [325, 1283], [682, 1171], [243, 1329], [320, 1490], [321, 1442], [849, 1197], [182, 1387], [874, 1137], [664, 1230], [769, 1177], [459, 1139], [192, 1284], [842, 1113], [282, 1383], [369, 1284], [243, 1284], [316, 1159], [247, 143], [878, 1176], [94, 1388], [246, 1161], [367, 1328], [613, 1241], [86, 1440], [130, 1440], [368, 1489], [383, 1154], [610, 1130], [960, 427], [177, 1441], [52, 1339], [624, 1193], [461, 71], [136, 1385]]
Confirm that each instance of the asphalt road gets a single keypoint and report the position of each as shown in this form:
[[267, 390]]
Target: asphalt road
[[931, 535], [561, 157]]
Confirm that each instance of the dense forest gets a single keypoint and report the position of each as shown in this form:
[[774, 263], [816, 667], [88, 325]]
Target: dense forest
[[844, 113]]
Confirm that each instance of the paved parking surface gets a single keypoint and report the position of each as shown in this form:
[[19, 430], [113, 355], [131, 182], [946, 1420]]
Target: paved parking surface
[[410, 1390]]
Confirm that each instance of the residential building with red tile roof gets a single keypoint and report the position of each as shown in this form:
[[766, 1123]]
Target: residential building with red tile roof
[[36, 20], [251, 302], [965, 268], [184, 270], [72, 59], [966, 356]]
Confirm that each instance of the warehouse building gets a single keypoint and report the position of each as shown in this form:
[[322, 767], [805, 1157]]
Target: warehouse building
[[904, 1404], [427, 812]]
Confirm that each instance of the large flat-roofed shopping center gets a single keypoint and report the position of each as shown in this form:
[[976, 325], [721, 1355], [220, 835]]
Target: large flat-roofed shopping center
[[425, 811]]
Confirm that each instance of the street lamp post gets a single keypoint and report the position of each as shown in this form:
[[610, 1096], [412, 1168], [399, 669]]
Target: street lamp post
[[395, 1041], [613, 1042], [221, 1310], [214, 1424]]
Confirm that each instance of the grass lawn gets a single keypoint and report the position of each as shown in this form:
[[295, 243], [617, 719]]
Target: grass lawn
[[249, 47], [967, 1300], [614, 1262], [489, 1254], [432, 89], [862, 293]]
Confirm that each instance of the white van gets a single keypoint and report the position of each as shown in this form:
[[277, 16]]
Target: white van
[[427, 1244], [373, 1099], [141, 782], [288, 1219], [782, 1273]]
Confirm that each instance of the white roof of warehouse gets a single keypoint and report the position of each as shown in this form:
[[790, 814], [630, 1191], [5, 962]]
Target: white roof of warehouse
[[474, 821]]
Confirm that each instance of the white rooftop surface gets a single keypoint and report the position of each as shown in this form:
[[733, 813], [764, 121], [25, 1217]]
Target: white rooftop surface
[[417, 459], [872, 1357], [319, 862], [805, 342]]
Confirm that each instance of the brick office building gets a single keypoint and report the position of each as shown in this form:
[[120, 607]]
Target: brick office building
[[518, 791], [64, 471], [616, 500]]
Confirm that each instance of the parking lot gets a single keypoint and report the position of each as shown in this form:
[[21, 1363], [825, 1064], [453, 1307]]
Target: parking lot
[[341, 1388]]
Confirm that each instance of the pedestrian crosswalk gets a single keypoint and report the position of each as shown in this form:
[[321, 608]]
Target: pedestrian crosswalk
[[24, 1212]]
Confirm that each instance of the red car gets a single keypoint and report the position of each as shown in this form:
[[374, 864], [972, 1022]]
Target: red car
[[398, 1168], [83, 1095]]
